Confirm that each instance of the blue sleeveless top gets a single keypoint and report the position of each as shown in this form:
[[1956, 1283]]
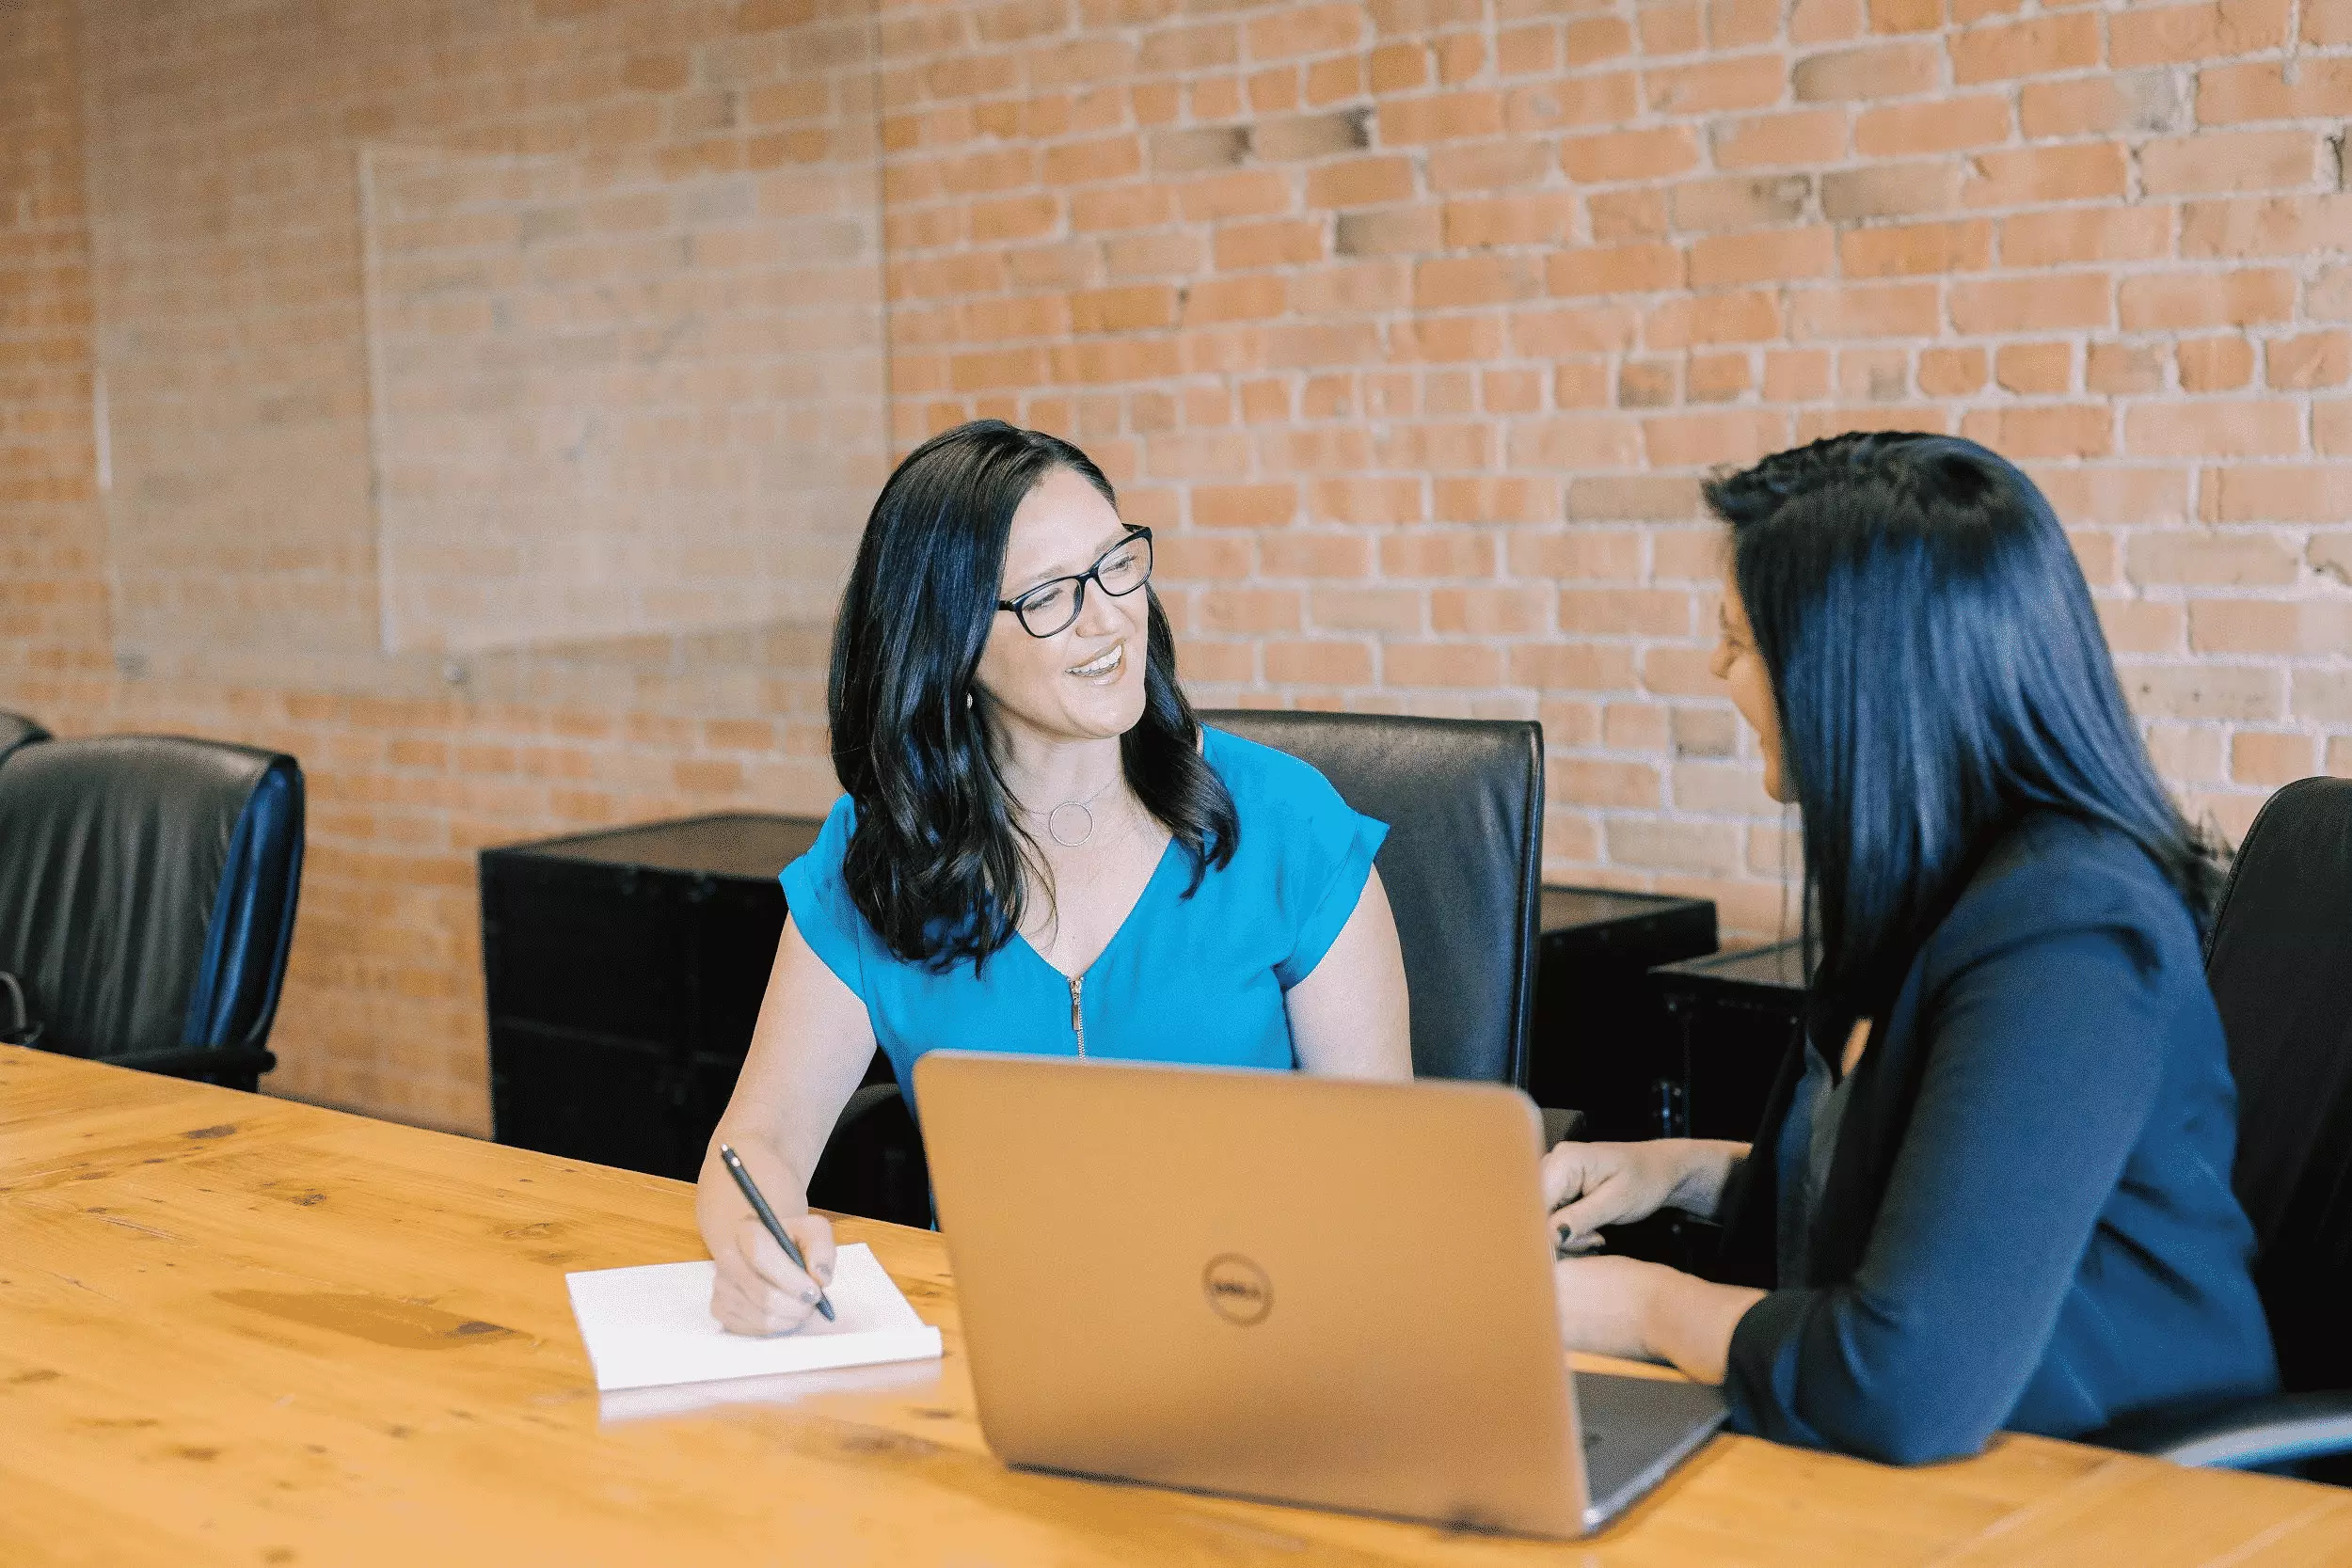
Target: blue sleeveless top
[[1195, 979]]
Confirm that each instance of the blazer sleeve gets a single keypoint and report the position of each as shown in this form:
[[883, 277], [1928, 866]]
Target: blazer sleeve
[[2044, 1064]]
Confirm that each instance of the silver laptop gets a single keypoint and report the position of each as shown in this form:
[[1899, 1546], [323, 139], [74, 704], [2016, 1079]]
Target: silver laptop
[[1281, 1287]]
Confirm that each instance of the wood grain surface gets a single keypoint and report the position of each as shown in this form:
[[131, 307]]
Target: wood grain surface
[[240, 1330]]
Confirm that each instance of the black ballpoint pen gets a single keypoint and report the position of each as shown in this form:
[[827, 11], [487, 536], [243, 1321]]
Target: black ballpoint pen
[[775, 1228]]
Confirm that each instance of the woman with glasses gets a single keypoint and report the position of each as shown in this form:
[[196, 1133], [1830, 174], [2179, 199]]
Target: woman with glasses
[[1040, 849]]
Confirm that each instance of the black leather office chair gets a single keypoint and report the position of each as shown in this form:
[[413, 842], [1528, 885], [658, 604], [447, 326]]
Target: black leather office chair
[[1463, 865], [16, 729], [146, 899], [2279, 960]]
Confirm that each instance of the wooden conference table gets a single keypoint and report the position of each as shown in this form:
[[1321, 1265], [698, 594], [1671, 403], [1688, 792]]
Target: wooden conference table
[[236, 1329]]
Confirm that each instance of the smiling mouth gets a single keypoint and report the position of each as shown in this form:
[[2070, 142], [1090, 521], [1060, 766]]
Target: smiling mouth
[[1104, 663]]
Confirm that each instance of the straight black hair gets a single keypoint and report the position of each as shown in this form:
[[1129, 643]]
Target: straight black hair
[[1940, 672], [936, 862]]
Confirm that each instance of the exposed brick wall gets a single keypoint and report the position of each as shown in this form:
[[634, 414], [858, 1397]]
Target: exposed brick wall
[[53, 542], [1412, 324], [1417, 321]]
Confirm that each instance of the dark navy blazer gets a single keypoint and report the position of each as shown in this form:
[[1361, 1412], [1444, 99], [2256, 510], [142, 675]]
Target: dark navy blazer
[[2029, 1222]]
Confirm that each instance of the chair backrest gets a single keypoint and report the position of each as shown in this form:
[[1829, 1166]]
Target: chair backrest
[[16, 729], [1463, 865], [148, 888], [2280, 962]]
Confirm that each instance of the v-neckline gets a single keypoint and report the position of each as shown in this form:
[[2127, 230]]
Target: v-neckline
[[1159, 869]]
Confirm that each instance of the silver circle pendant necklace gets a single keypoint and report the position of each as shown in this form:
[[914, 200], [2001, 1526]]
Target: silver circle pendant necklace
[[1071, 823]]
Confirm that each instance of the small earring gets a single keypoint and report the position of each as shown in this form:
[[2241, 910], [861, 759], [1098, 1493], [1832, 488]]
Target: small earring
[[967, 702]]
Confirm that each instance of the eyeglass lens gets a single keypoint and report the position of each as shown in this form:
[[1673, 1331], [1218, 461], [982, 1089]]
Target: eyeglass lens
[[1056, 604]]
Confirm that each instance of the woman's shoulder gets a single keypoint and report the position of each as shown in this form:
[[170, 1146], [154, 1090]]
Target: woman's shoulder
[[818, 866], [1266, 783], [2052, 873]]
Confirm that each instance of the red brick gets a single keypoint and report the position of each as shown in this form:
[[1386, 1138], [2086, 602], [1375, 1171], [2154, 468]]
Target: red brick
[[1488, 166], [2042, 431], [1256, 296], [1532, 218], [1916, 249], [2229, 160], [1875, 70], [2044, 174], [2218, 429], [1749, 316], [1624, 269], [1741, 23], [1622, 155], [2213, 364], [1825, 21], [2086, 235], [2123, 370], [1951, 372], [2035, 369], [2267, 226], [1369, 500], [1715, 87], [1524, 612], [2042, 45], [1890, 190], [1309, 29], [2279, 492], [2130, 106], [1779, 140], [1905, 16], [2183, 301], [2183, 35], [1455, 664], [1243, 505], [1705, 205], [1688, 439], [1868, 310], [2314, 360], [1443, 117], [2272, 757], [1993, 307], [1722, 259], [1286, 241], [1319, 663], [1940, 125]]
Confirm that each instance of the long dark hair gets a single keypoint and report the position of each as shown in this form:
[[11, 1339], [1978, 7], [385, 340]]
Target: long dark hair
[[1940, 672], [936, 862]]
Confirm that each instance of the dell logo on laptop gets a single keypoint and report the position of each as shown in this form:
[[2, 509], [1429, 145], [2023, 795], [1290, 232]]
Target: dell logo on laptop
[[1237, 1289]]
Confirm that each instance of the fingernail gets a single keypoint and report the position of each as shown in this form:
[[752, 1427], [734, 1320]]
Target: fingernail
[[808, 1298]]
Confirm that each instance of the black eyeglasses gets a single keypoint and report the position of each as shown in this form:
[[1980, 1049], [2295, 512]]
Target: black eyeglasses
[[1053, 604]]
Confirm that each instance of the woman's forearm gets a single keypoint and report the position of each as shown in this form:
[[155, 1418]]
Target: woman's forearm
[[1700, 1190], [1689, 1322]]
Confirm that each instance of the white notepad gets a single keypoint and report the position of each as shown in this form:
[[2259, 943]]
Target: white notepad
[[651, 1325]]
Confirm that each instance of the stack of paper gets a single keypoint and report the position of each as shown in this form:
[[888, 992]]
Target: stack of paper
[[651, 1325]]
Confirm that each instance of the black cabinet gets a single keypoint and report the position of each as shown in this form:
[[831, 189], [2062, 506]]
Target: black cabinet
[[1735, 1016], [1602, 1040], [625, 971]]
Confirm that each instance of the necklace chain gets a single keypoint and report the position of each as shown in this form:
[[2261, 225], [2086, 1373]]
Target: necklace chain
[[1078, 813]]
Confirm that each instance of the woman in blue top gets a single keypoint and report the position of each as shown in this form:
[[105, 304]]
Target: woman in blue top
[[1040, 849], [1992, 1187]]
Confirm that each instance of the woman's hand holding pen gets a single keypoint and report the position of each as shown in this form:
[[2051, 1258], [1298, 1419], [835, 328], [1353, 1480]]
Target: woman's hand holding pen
[[757, 1289]]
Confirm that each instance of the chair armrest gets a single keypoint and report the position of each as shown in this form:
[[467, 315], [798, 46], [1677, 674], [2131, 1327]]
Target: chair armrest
[[201, 1061], [2277, 1430]]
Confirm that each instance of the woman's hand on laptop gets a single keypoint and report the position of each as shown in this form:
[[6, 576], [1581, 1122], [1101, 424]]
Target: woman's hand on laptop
[[1590, 1186], [1648, 1312]]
